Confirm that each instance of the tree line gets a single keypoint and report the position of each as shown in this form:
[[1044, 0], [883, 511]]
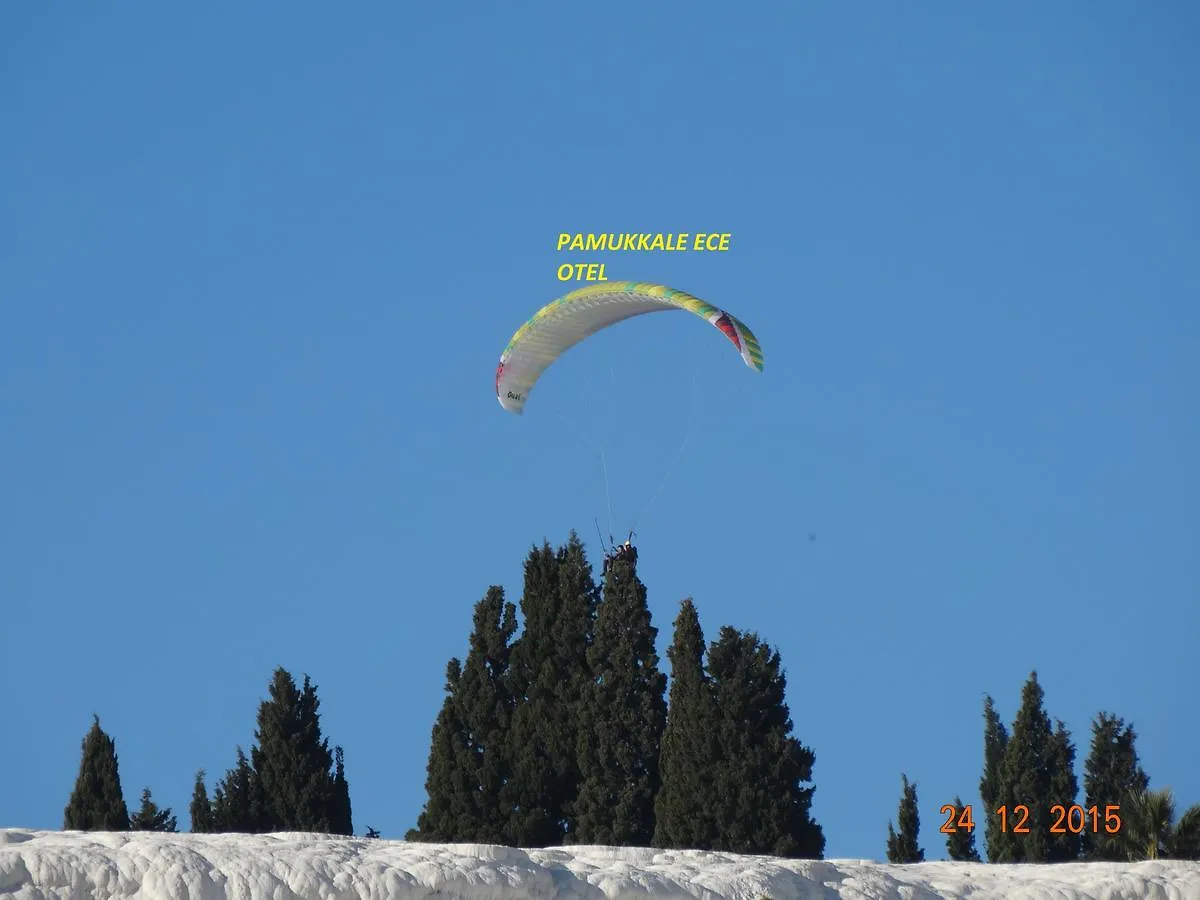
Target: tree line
[[289, 782], [1031, 810], [567, 734]]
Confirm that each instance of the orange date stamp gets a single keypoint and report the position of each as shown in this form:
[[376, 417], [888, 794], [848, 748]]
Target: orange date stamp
[[1073, 819]]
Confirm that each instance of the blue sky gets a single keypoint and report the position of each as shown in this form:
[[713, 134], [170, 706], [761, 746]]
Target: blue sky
[[257, 269]]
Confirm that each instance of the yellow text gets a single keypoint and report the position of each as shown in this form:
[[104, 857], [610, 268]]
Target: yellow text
[[581, 272]]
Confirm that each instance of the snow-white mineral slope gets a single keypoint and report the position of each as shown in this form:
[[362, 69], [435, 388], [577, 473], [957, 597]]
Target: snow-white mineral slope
[[154, 866]]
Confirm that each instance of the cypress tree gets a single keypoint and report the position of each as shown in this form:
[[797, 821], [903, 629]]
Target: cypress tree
[[903, 847], [1027, 785], [995, 743], [573, 631], [96, 803], [237, 805], [340, 818], [548, 677], [1111, 774], [1066, 845], [447, 783], [621, 719], [758, 801], [292, 761], [468, 759], [960, 843], [287, 758], [201, 811], [150, 818], [683, 819]]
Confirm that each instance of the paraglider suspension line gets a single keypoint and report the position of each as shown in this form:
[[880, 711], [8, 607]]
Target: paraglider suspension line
[[603, 466], [662, 483], [607, 493], [687, 437]]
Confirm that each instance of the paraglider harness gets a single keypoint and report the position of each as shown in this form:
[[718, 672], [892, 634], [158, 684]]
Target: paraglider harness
[[625, 552]]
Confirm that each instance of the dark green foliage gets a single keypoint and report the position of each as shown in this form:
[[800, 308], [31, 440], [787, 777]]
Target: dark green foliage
[[340, 817], [689, 755], [1110, 774], [1027, 779], [237, 804], [150, 818], [468, 758], [1184, 840], [960, 843], [1152, 830], [201, 811], [995, 744], [96, 803], [904, 846], [371, 833], [757, 799], [290, 758], [548, 678], [289, 782], [621, 719], [447, 784], [583, 750], [1064, 790], [292, 762]]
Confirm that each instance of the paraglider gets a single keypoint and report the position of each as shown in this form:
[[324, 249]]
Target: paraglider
[[574, 317], [613, 552], [563, 323]]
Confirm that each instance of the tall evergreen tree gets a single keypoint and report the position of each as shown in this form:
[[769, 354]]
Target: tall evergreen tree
[[548, 678], [758, 801], [237, 803], [201, 811], [448, 788], [340, 815], [96, 803], [469, 762], [622, 716], [150, 818], [960, 843], [904, 846], [1027, 780], [1111, 773], [292, 761], [995, 744], [1064, 846], [683, 818]]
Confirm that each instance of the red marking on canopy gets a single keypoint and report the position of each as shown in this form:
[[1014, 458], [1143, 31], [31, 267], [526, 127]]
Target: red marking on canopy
[[730, 332]]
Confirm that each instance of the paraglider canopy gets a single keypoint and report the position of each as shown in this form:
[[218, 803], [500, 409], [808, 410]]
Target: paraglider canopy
[[563, 323]]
